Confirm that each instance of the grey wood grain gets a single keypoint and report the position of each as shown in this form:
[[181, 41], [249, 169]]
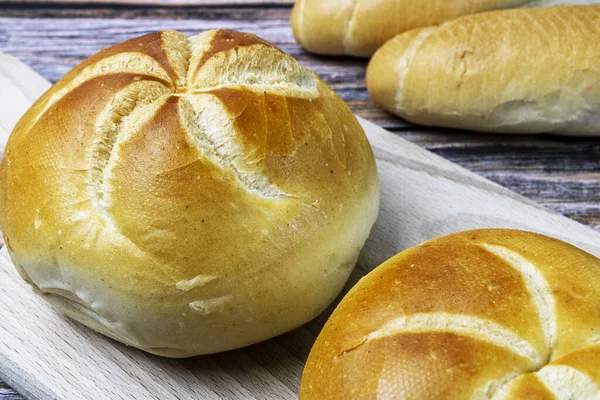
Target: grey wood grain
[[562, 174], [6, 393], [163, 3]]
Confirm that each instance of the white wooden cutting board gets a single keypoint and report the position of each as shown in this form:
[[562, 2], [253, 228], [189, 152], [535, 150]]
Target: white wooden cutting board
[[43, 355]]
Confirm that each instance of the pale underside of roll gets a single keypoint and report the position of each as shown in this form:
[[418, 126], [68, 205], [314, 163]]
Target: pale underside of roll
[[360, 27], [516, 71], [488, 314], [188, 195]]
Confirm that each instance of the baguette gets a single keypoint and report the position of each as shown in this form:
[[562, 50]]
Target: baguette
[[488, 314], [515, 71], [360, 27]]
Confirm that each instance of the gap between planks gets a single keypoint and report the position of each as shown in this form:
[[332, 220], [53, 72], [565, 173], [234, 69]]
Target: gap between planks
[[157, 3]]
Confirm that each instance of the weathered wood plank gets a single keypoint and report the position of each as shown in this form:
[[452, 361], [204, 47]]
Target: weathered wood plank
[[162, 3], [223, 12], [7, 393]]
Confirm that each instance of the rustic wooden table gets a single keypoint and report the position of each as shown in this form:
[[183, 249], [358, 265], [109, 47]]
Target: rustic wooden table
[[562, 174]]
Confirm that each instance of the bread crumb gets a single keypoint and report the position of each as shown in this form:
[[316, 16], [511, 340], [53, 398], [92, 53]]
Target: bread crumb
[[198, 281], [206, 307]]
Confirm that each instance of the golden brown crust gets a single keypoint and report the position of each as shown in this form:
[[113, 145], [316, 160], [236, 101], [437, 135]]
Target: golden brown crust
[[522, 71], [182, 194], [151, 45], [529, 387], [465, 315], [389, 366], [225, 40], [360, 27], [385, 68], [321, 28]]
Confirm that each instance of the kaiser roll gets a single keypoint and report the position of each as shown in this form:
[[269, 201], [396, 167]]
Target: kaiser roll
[[188, 196], [487, 314], [517, 71]]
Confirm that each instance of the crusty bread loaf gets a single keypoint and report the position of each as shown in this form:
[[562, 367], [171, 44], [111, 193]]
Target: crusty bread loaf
[[360, 27], [487, 314], [188, 196], [517, 71]]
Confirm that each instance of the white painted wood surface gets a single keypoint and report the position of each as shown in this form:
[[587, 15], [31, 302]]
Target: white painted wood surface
[[43, 355]]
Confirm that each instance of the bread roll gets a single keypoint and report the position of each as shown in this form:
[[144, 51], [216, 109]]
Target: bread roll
[[188, 196], [516, 71], [360, 27], [487, 314]]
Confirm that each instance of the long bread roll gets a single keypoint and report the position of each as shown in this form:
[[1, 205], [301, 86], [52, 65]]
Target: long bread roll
[[360, 27], [488, 314], [518, 71], [188, 195]]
